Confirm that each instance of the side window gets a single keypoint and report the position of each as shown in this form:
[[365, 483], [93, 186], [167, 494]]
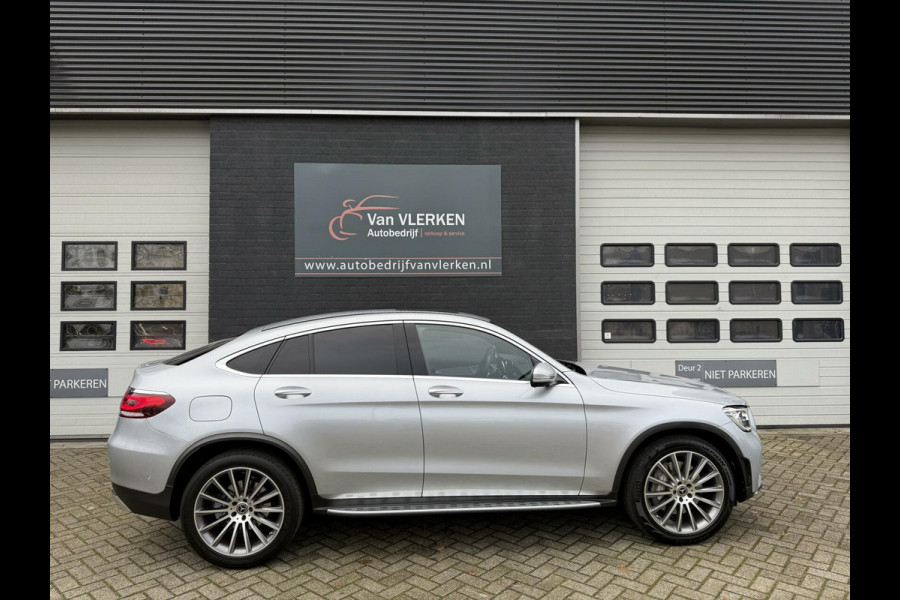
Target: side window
[[292, 359], [368, 350], [460, 352], [255, 361]]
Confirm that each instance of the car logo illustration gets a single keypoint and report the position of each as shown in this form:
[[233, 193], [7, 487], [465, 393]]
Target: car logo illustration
[[355, 209]]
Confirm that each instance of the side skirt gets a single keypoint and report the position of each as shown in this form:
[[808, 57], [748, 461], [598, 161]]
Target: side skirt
[[464, 504]]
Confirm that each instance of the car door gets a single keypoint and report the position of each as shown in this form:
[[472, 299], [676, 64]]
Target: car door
[[345, 400], [487, 431]]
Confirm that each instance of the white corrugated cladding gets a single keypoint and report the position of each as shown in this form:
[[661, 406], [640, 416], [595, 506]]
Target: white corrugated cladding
[[125, 181], [662, 185]]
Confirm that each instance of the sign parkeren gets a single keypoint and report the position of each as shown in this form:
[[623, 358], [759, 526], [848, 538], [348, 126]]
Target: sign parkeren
[[730, 373], [79, 383]]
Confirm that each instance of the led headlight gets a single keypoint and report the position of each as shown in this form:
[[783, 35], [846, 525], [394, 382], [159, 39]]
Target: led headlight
[[740, 415]]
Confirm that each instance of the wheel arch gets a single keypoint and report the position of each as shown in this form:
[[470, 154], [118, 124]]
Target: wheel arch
[[202, 451], [739, 465]]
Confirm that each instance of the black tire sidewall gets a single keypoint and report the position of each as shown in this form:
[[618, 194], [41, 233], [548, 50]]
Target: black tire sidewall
[[273, 468], [647, 457]]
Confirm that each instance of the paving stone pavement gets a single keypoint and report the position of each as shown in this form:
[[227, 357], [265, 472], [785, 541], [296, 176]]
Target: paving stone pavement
[[791, 541]]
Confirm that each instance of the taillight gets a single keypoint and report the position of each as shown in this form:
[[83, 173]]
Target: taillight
[[140, 405]]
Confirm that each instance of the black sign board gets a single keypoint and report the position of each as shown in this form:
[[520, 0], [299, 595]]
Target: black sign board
[[353, 220]]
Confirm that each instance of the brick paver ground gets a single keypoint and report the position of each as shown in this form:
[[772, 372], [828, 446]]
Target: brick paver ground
[[791, 541]]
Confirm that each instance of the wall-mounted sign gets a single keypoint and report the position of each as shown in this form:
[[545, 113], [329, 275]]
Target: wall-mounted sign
[[730, 373], [79, 383], [355, 220]]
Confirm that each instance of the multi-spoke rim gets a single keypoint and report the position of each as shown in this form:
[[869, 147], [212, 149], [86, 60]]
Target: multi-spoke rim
[[239, 511], [684, 492]]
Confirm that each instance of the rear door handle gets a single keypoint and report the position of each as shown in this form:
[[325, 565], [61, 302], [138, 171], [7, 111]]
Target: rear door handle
[[292, 392], [445, 391]]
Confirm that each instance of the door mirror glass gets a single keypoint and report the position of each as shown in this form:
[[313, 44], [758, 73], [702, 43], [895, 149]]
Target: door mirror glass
[[543, 375]]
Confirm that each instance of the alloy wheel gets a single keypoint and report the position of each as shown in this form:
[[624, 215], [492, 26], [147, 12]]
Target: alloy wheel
[[684, 492], [239, 511]]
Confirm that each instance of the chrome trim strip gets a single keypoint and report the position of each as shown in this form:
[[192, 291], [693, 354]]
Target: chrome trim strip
[[457, 509]]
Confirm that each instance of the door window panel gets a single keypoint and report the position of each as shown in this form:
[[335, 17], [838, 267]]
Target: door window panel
[[461, 352], [365, 350]]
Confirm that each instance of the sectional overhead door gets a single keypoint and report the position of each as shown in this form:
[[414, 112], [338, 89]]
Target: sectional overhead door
[[129, 259], [721, 254]]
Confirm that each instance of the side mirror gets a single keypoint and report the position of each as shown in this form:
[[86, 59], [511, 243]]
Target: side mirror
[[543, 375]]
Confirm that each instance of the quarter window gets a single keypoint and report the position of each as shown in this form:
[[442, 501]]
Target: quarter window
[[462, 352], [256, 361]]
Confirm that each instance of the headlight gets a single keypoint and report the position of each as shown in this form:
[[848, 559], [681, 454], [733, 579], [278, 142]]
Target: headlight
[[740, 415]]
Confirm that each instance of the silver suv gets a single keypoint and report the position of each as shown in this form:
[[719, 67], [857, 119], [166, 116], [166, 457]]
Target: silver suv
[[386, 412]]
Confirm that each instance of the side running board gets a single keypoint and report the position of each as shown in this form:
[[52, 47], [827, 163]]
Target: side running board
[[460, 507]]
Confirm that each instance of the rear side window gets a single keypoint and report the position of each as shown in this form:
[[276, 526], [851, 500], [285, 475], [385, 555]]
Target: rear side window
[[292, 358], [368, 350], [255, 361]]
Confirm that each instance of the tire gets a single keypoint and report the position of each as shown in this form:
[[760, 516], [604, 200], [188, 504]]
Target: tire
[[674, 506], [247, 528]]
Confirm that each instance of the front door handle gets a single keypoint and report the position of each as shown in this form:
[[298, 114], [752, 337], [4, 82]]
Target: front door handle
[[445, 391], [292, 392]]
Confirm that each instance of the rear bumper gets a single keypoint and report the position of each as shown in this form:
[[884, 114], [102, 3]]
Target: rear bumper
[[144, 503]]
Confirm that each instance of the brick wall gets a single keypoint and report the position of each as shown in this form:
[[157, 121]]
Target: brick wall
[[252, 216]]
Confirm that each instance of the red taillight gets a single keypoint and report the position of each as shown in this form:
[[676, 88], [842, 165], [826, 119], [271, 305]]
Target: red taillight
[[140, 405]]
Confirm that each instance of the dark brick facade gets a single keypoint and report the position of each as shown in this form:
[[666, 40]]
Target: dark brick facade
[[252, 220]]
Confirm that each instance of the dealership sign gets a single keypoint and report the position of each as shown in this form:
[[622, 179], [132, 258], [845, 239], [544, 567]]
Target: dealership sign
[[354, 220], [730, 373]]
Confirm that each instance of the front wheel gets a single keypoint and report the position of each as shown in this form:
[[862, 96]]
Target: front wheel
[[241, 508], [680, 489]]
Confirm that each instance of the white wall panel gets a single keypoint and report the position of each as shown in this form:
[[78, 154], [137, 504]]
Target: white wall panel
[[125, 181], [664, 185]]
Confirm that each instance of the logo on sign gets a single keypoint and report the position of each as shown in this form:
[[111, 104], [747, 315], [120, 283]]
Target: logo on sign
[[353, 209]]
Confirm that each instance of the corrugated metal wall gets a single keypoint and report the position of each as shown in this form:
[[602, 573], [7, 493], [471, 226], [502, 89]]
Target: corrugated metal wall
[[762, 56], [125, 181], [659, 186]]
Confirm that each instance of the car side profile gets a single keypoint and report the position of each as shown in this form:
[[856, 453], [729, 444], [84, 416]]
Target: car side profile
[[393, 412]]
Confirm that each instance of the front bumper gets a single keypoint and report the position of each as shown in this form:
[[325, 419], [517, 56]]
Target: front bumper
[[749, 448]]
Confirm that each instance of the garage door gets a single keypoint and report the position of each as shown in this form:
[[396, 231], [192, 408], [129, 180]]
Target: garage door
[[129, 259], [722, 254]]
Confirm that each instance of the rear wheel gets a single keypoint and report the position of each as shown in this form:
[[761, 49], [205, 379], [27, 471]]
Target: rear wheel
[[680, 489], [241, 508]]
